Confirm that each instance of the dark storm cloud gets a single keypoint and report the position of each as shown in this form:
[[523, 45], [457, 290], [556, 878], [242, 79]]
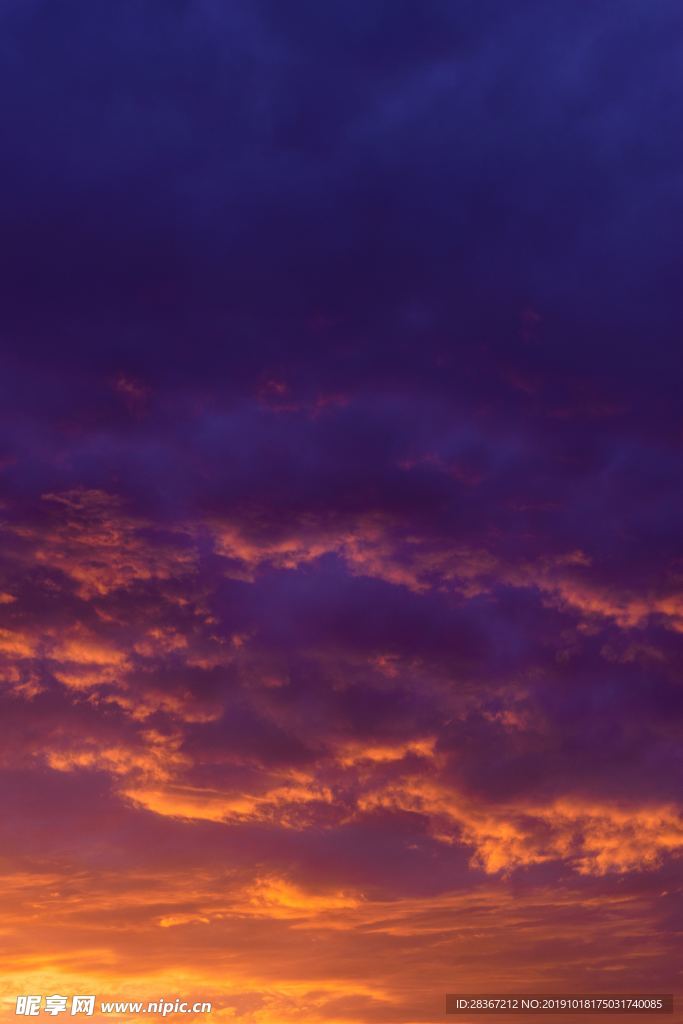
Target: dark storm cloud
[[204, 183]]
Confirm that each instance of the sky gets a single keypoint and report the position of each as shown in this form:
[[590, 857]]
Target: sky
[[341, 577]]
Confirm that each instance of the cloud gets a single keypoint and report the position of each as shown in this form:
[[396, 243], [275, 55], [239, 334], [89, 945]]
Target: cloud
[[594, 838], [341, 498]]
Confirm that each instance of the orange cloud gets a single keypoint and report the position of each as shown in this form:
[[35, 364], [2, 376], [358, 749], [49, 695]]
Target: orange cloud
[[354, 752], [595, 838], [277, 897], [18, 644], [92, 541], [266, 949], [155, 757], [378, 547], [282, 803]]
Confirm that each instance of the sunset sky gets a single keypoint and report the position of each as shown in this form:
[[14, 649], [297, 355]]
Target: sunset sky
[[341, 561]]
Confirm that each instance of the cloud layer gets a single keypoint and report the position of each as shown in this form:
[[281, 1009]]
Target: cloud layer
[[341, 591]]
